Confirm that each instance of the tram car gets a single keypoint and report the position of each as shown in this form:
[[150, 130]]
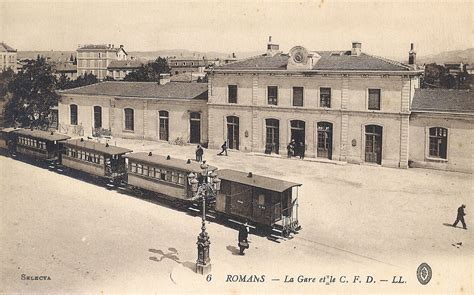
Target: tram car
[[94, 158], [6, 140], [268, 202], [163, 175], [38, 144]]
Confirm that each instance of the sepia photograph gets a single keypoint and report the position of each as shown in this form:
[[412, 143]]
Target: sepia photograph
[[236, 147]]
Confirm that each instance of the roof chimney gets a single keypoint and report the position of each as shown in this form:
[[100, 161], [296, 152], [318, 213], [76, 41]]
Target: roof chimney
[[272, 49], [412, 55], [356, 48]]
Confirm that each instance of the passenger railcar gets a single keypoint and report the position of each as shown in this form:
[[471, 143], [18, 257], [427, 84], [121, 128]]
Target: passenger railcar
[[6, 140], [38, 144], [263, 200], [97, 159], [163, 175]]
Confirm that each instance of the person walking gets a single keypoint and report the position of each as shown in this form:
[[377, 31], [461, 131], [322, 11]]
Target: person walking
[[460, 217], [199, 153], [224, 149], [243, 237]]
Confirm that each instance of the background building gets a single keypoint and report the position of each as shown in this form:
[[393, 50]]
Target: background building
[[341, 105], [8, 58], [174, 112], [96, 59], [118, 69]]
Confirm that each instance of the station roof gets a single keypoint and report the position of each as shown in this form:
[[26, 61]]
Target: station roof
[[40, 134], [162, 161], [443, 100], [8, 130], [97, 147], [259, 181], [330, 60], [172, 90]]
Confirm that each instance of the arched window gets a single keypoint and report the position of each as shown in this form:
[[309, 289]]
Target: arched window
[[233, 132], [438, 142], [73, 112], [129, 119], [272, 141], [164, 125], [97, 117]]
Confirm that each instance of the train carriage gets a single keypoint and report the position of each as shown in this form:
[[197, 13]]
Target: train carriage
[[97, 159], [163, 175], [7, 140], [263, 200], [38, 144]]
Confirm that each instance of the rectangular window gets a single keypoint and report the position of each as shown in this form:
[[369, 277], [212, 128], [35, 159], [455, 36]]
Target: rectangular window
[[145, 170], [325, 97], [163, 174], [272, 95], [73, 111], [181, 178], [139, 168], [438, 142], [374, 99], [298, 96], [232, 93], [174, 177], [133, 168]]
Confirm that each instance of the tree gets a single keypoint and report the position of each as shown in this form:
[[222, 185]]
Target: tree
[[64, 82], [5, 78], [149, 72], [33, 93]]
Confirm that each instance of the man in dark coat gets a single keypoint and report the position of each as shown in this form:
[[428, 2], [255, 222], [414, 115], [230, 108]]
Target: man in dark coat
[[460, 216], [301, 150], [224, 149], [199, 153], [243, 236]]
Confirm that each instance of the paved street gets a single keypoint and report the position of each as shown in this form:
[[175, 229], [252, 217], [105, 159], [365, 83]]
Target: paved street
[[357, 220]]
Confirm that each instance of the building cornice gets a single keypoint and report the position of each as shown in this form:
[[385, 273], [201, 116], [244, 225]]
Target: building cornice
[[284, 72]]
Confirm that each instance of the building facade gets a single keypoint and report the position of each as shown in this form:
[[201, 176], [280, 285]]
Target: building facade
[[441, 129], [181, 65], [341, 105], [118, 69], [8, 58], [95, 59], [67, 69], [174, 112]]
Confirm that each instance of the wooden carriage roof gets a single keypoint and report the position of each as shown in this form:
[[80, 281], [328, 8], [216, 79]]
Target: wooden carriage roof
[[97, 147], [40, 134], [162, 161], [8, 130], [259, 181]]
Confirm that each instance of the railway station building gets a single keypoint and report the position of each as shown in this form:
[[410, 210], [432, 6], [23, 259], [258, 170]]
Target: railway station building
[[441, 129], [173, 112], [342, 105]]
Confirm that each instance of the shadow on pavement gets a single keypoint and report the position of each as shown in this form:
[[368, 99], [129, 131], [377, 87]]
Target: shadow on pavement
[[172, 254]]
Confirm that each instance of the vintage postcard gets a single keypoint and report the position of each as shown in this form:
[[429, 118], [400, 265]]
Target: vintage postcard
[[236, 147]]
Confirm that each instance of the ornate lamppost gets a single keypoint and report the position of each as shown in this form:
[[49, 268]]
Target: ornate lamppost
[[208, 186]]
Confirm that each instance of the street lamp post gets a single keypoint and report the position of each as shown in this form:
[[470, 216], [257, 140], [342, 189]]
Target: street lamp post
[[209, 186]]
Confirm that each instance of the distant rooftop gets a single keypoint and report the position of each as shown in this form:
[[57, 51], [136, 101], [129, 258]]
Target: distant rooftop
[[5, 48], [111, 47], [443, 100], [125, 64], [65, 67], [149, 90]]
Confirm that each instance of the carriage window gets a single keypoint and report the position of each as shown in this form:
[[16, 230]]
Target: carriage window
[[145, 170], [163, 174], [174, 176], [168, 175], [139, 168], [261, 199], [181, 178], [133, 167]]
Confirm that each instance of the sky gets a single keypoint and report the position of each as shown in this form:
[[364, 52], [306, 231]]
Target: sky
[[384, 28]]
